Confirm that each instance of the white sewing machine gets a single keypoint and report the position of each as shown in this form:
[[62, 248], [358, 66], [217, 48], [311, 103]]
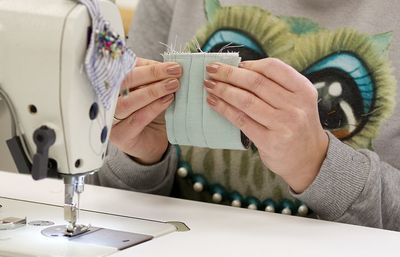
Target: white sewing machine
[[59, 126]]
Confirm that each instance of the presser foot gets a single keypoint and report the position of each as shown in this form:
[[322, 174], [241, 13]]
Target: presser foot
[[74, 230], [64, 231]]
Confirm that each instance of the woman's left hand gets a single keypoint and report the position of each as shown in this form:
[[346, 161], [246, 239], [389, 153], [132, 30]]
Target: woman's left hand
[[276, 107]]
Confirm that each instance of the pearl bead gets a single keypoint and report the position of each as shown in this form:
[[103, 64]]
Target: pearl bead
[[236, 203], [252, 206], [217, 198], [198, 187], [199, 183], [287, 211], [269, 205], [217, 192], [269, 208], [252, 203], [236, 199], [302, 210], [182, 172], [288, 207]]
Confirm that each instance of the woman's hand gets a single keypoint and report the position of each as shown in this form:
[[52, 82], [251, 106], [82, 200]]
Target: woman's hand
[[139, 124], [277, 108]]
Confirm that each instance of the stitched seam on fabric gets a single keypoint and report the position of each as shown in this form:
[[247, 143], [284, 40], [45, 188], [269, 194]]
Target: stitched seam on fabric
[[180, 113], [194, 112], [205, 108], [187, 128], [204, 101], [170, 114]]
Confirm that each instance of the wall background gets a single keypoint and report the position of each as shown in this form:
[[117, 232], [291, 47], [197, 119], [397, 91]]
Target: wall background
[[127, 9]]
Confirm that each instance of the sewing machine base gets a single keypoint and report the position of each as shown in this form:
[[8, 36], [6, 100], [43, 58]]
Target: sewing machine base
[[100, 236], [43, 233]]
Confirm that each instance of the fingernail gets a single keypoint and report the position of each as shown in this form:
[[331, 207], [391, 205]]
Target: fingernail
[[167, 98], [209, 84], [212, 100], [174, 69], [212, 68], [172, 85]]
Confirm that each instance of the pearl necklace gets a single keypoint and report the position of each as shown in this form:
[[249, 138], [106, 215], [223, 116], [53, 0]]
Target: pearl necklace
[[220, 195]]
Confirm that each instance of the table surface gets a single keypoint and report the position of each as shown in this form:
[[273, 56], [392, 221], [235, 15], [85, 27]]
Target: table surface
[[215, 230]]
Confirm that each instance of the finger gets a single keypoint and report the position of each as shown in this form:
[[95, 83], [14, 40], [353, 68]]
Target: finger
[[278, 71], [148, 74], [252, 81], [249, 103], [144, 62], [132, 126], [252, 129], [143, 96]]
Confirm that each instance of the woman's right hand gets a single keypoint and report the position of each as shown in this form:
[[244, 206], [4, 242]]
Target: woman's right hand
[[139, 123]]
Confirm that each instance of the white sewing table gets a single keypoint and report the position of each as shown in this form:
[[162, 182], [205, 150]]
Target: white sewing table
[[215, 230]]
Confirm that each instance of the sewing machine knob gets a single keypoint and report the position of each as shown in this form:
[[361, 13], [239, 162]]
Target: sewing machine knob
[[44, 137], [94, 111]]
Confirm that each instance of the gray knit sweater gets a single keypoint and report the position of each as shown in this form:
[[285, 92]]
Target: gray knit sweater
[[355, 185]]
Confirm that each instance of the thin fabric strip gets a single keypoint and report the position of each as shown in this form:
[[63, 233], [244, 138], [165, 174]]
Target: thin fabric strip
[[106, 70]]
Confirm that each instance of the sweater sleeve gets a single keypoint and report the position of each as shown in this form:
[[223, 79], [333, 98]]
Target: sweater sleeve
[[356, 187], [120, 171], [150, 27]]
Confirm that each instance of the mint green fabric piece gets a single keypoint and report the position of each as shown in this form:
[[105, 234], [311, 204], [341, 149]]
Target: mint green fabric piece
[[194, 122], [190, 121], [181, 102], [169, 115], [220, 133]]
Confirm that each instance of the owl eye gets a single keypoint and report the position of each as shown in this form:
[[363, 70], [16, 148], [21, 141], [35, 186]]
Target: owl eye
[[346, 93], [238, 41]]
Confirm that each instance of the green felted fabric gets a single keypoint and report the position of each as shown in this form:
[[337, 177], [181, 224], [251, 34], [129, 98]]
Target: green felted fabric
[[372, 51]]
